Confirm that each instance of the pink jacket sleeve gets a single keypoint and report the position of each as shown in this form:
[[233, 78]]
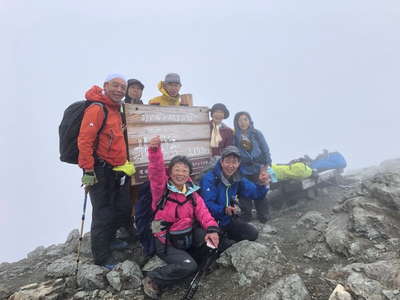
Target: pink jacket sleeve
[[203, 214], [157, 175]]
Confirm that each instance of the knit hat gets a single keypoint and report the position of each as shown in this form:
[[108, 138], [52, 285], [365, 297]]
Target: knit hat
[[222, 107], [172, 78], [135, 81], [113, 76], [230, 150]]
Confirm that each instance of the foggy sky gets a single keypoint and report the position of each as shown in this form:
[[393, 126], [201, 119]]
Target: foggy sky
[[313, 75]]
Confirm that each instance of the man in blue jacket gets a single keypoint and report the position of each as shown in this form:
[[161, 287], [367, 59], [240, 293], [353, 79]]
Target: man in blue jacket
[[220, 188]]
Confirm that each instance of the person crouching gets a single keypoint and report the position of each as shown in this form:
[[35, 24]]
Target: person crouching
[[174, 225], [220, 188]]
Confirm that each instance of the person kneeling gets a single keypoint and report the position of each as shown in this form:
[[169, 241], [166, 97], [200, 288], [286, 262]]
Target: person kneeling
[[220, 188], [178, 209]]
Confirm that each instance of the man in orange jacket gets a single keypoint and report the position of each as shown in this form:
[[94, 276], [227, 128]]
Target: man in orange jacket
[[100, 150]]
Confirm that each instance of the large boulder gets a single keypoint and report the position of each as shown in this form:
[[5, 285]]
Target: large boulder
[[337, 235], [91, 277], [62, 267], [251, 260], [124, 276], [288, 288], [370, 281]]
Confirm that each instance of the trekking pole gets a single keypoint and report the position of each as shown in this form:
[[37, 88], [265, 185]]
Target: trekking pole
[[195, 283], [81, 233]]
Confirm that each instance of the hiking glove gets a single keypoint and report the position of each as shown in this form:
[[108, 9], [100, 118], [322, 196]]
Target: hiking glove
[[128, 168], [89, 179]]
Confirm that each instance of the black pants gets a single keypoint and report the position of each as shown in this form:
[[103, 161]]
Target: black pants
[[261, 205], [180, 263], [238, 230], [111, 210]]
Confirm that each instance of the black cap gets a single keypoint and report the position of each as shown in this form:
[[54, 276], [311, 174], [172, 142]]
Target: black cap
[[135, 81], [220, 106], [230, 150]]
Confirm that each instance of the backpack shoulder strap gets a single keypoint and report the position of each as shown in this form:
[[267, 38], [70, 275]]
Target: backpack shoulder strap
[[105, 111]]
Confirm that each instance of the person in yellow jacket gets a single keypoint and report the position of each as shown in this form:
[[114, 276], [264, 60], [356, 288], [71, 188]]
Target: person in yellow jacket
[[169, 89]]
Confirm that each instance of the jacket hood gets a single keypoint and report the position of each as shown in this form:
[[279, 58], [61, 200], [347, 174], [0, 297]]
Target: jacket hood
[[236, 120], [190, 188], [96, 94], [173, 100]]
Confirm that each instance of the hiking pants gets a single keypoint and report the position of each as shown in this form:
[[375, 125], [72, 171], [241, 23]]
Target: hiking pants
[[180, 263], [261, 205], [111, 210], [238, 230]]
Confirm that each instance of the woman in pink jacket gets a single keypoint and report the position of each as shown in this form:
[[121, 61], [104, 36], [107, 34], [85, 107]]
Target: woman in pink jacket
[[181, 222]]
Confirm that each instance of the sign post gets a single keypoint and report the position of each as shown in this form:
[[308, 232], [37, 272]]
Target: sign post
[[183, 131]]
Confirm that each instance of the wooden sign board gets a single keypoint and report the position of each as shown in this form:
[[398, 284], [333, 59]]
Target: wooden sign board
[[183, 131]]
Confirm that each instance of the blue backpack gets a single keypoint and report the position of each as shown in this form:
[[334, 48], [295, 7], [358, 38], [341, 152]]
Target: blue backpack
[[328, 161]]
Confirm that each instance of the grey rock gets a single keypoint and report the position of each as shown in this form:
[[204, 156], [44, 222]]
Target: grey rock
[[364, 287], [337, 235], [319, 251], [368, 223], [62, 267], [311, 219], [71, 244], [52, 289], [86, 245], [114, 279], [339, 293], [55, 250], [288, 288], [39, 251], [251, 260], [391, 294], [91, 277], [126, 275], [154, 263], [385, 187]]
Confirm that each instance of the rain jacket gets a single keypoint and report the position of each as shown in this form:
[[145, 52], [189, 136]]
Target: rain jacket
[[164, 99], [181, 216], [218, 195], [252, 160], [111, 144]]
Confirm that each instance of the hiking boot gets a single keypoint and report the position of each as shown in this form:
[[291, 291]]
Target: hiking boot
[[246, 217], [110, 263], [126, 234], [117, 244], [263, 219], [150, 288]]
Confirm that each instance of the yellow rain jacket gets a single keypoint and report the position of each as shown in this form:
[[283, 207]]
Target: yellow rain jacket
[[164, 99], [296, 170]]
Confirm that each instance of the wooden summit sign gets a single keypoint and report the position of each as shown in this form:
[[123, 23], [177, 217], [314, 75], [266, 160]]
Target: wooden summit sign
[[183, 130]]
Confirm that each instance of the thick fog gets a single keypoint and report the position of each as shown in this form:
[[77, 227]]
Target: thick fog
[[313, 74]]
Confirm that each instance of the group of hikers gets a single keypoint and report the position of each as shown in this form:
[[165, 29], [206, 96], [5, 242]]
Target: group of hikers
[[188, 218]]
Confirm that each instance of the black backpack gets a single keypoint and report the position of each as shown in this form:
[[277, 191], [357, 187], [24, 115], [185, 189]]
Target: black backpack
[[69, 129]]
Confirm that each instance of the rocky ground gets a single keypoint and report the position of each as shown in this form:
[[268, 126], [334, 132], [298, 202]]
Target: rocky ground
[[342, 243]]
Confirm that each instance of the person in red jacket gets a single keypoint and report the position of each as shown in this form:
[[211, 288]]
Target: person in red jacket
[[99, 152], [221, 135]]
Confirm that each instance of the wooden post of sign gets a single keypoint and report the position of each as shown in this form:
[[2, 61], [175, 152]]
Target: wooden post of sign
[[187, 100]]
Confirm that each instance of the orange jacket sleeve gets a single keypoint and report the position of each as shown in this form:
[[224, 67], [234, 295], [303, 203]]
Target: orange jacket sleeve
[[91, 123]]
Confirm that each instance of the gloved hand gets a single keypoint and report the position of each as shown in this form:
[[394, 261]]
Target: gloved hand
[[89, 179], [128, 168]]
